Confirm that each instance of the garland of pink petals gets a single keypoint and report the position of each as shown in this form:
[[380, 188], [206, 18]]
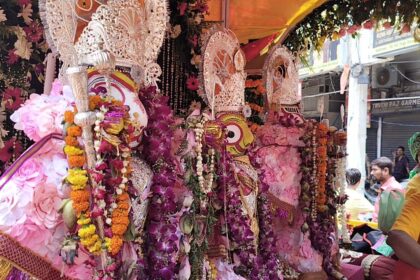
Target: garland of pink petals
[[161, 230]]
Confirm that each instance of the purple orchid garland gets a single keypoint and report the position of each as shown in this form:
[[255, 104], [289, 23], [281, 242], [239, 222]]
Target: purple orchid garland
[[240, 233], [265, 264], [161, 239]]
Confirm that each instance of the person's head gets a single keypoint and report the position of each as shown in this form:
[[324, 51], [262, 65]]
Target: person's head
[[353, 177], [381, 169], [400, 151]]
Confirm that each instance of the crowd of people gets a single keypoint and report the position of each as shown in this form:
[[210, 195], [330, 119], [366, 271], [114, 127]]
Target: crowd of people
[[392, 249]]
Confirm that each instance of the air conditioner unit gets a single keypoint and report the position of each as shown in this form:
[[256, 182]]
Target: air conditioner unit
[[384, 77]]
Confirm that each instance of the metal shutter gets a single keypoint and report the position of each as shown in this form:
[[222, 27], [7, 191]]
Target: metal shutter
[[396, 130]]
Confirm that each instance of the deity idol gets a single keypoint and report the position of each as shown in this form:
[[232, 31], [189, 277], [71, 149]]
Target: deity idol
[[237, 231], [278, 157], [105, 185]]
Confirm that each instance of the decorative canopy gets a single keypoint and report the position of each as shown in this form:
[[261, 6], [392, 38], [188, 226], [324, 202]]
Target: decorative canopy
[[261, 18]]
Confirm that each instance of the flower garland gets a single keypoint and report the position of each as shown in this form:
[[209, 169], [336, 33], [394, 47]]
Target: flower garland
[[112, 133], [337, 18], [78, 179], [319, 198], [242, 239], [254, 96], [308, 170], [22, 54], [161, 244], [320, 191]]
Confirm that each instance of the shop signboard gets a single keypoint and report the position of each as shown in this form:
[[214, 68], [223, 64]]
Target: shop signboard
[[391, 42], [393, 106]]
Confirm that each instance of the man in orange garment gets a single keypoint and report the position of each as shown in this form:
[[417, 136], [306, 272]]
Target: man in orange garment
[[404, 237]]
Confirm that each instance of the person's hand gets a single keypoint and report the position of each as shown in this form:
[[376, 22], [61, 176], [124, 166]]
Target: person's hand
[[319, 275]]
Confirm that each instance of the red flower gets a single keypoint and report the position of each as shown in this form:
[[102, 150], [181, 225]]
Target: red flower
[[33, 31], [192, 83], [368, 24], [387, 25], [12, 58], [13, 98], [24, 2], [342, 32], [8, 150], [194, 40], [182, 7], [353, 29], [406, 28]]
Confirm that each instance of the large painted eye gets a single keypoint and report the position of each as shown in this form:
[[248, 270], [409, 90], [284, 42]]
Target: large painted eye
[[234, 134]]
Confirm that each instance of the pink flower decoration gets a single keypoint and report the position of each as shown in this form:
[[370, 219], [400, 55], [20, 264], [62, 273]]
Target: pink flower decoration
[[14, 204], [12, 58], [33, 32], [30, 174], [40, 115], [13, 98], [32, 236], [45, 205], [192, 83]]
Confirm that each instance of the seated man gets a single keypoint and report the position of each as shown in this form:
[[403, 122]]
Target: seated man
[[404, 237], [382, 171], [356, 205]]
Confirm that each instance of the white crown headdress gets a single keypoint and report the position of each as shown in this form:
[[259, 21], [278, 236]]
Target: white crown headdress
[[129, 31], [223, 76], [281, 78]]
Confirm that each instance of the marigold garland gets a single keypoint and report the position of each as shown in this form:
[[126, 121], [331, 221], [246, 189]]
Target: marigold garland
[[71, 141], [113, 118], [78, 179], [75, 131]]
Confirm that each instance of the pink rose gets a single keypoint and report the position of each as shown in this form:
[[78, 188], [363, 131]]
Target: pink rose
[[30, 173], [40, 115], [14, 205], [45, 204], [32, 236]]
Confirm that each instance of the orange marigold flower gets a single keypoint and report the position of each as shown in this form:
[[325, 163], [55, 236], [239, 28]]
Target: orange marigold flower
[[118, 229], [117, 102], [123, 197], [76, 161], [322, 199], [81, 206], [80, 196], [69, 117], [74, 131], [71, 141], [261, 89], [119, 213], [94, 100], [123, 221], [116, 243], [123, 205]]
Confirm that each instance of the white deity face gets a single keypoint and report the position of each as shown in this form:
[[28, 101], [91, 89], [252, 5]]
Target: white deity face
[[122, 88]]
